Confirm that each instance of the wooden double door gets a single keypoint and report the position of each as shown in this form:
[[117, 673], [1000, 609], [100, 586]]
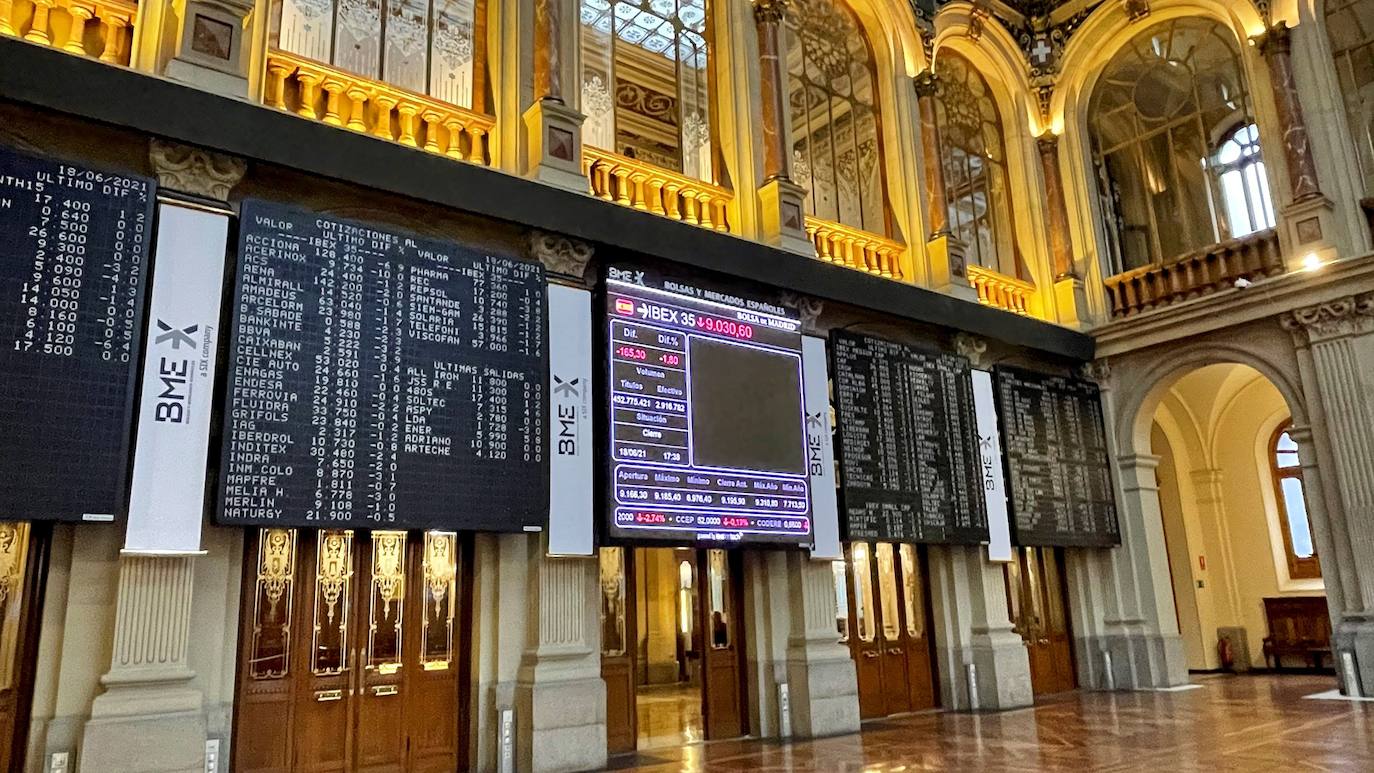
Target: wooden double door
[[883, 588], [352, 652], [708, 617], [23, 563], [1037, 603]]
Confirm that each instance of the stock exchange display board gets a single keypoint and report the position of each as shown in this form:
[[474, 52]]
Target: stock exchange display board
[[378, 379], [908, 443], [707, 426], [1055, 446], [73, 267]]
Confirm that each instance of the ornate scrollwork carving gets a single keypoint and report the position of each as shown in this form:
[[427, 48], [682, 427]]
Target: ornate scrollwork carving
[[195, 171], [1351, 315], [1097, 370], [561, 255], [808, 308], [971, 348], [770, 11]]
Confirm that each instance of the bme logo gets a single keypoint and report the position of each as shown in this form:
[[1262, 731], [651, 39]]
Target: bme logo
[[567, 415], [174, 373]]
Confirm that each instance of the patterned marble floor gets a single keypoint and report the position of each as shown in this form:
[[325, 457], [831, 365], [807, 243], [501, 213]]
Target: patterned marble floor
[[1241, 723]]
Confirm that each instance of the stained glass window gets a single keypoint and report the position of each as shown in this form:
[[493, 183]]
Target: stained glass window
[[425, 46], [836, 151], [1292, 505], [1350, 26], [646, 82], [975, 158], [1161, 114]]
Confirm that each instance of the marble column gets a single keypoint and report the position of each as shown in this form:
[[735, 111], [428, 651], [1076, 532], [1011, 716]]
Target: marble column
[[781, 201], [946, 254], [972, 628], [1335, 343], [553, 128], [1308, 216], [822, 684], [560, 698], [1071, 300]]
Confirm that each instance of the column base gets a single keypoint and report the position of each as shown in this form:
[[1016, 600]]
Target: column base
[[823, 691], [1356, 637], [1071, 302], [1003, 667], [1310, 226], [561, 725], [553, 145], [783, 216], [1139, 660], [949, 267], [145, 728]]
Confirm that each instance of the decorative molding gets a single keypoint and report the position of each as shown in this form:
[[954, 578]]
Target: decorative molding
[[927, 84], [152, 620], [808, 308], [977, 19], [1137, 9], [770, 11], [1351, 315], [561, 255], [972, 348], [1099, 371], [192, 170]]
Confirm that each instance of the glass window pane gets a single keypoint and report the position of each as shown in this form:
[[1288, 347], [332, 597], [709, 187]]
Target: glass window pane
[[333, 589], [718, 571], [913, 596], [274, 596], [887, 590], [386, 603], [612, 601], [440, 575], [1296, 508], [863, 592]]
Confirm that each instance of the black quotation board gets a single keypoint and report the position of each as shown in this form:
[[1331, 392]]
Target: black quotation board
[[381, 379], [1055, 446], [708, 441], [73, 266], [908, 443]]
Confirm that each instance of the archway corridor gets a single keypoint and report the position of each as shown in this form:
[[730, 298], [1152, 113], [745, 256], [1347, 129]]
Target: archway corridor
[[1241, 549]]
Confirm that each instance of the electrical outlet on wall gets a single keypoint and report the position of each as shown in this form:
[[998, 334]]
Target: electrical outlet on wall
[[57, 763], [212, 755]]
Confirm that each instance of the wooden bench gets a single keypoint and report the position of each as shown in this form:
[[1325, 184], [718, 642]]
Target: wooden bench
[[1299, 626]]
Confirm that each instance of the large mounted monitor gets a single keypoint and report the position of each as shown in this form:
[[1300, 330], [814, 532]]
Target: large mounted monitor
[[708, 443]]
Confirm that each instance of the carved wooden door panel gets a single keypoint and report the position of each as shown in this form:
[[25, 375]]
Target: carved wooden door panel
[[617, 648], [326, 654], [1057, 627], [896, 692], [435, 712], [1035, 597], [864, 642], [23, 559], [916, 632], [381, 630], [721, 625]]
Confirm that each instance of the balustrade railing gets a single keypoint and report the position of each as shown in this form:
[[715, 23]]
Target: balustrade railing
[[323, 93], [1001, 291], [633, 183], [99, 29], [857, 249], [1196, 274]]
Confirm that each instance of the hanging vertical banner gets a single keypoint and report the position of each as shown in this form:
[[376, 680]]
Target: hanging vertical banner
[[570, 421], [990, 461], [820, 451], [168, 495]]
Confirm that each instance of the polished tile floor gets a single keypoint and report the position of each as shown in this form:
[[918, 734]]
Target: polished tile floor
[[1231, 723], [669, 715]]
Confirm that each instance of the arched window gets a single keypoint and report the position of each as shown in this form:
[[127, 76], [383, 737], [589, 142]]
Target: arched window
[[1161, 117], [1288, 492], [1350, 26], [836, 152], [975, 158], [429, 47], [646, 82]]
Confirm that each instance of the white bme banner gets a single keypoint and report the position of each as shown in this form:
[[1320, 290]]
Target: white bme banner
[[570, 421], [820, 451], [167, 500], [990, 459]]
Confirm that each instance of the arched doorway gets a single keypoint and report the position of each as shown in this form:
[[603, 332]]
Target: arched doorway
[[1242, 552]]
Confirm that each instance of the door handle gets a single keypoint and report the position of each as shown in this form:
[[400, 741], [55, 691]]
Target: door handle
[[382, 690], [870, 654], [1043, 642], [325, 696], [894, 650]]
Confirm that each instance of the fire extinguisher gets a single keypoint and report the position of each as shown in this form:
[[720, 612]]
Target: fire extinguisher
[[1228, 658]]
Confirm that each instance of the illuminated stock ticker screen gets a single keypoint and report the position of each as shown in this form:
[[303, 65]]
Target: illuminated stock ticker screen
[[708, 440]]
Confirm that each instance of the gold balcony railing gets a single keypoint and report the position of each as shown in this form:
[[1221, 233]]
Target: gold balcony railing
[[323, 93], [99, 29], [1195, 274], [633, 183], [857, 249], [1001, 291]]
